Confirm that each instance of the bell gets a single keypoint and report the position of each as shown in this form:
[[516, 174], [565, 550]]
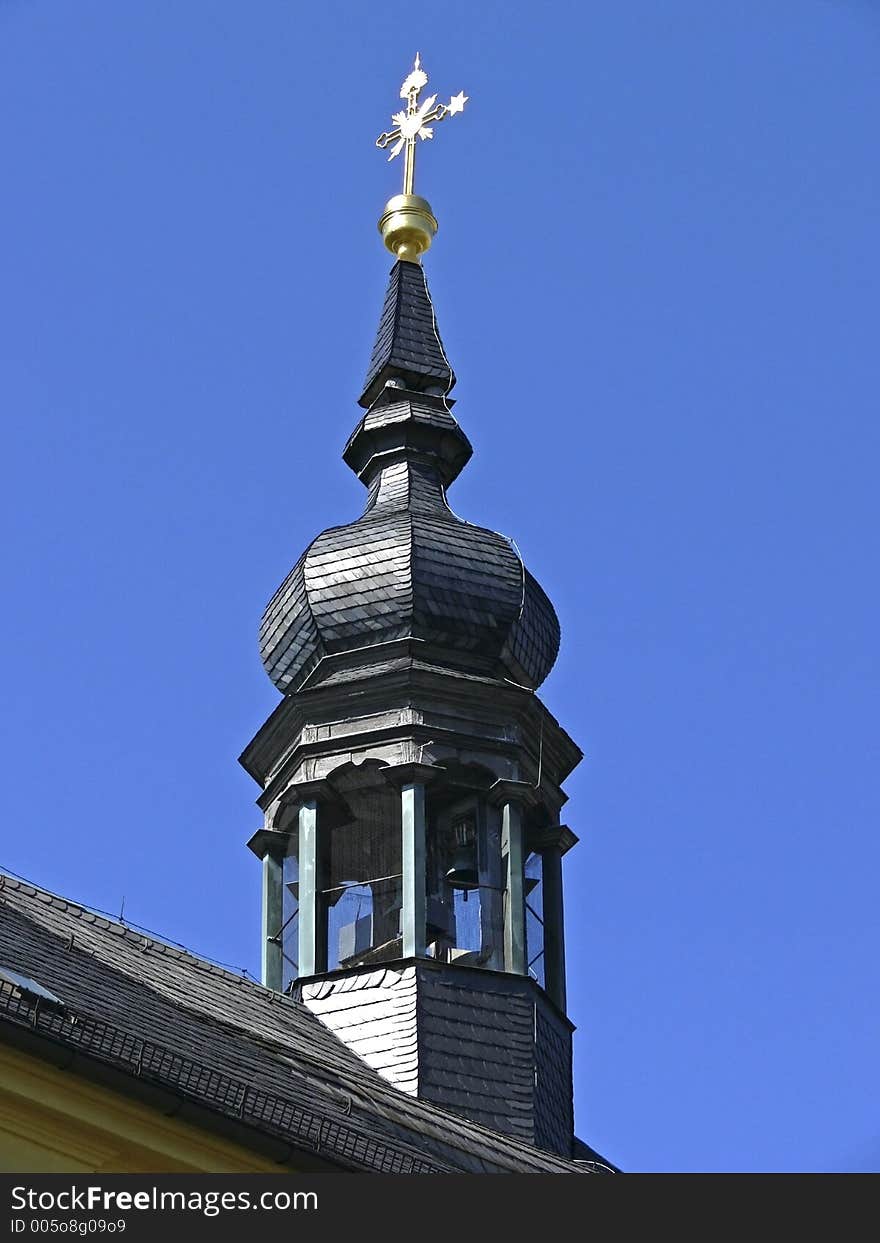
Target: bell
[[463, 873]]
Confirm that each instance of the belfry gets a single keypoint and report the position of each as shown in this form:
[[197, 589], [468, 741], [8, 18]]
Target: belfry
[[411, 779], [410, 1016]]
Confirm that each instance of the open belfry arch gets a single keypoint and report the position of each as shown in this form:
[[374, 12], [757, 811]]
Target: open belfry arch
[[411, 778]]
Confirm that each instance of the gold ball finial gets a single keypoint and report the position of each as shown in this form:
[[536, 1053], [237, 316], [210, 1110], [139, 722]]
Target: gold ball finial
[[408, 226]]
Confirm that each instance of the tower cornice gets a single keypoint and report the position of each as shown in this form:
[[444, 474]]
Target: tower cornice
[[431, 710]]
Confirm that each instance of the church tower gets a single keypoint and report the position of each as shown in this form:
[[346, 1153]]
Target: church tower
[[411, 778]]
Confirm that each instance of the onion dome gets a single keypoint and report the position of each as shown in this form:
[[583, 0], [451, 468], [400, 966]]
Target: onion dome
[[409, 569]]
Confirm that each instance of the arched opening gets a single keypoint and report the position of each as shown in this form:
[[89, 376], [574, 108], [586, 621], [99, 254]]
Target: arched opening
[[361, 896], [463, 874]]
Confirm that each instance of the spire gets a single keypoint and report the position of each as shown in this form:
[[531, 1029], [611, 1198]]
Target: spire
[[412, 844], [408, 350], [407, 224], [409, 570], [406, 391]]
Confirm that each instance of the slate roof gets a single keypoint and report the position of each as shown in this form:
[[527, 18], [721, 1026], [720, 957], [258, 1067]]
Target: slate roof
[[408, 343], [404, 422], [156, 1014], [409, 567]]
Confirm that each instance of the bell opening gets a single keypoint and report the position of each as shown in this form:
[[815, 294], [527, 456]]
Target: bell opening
[[464, 918], [464, 874]]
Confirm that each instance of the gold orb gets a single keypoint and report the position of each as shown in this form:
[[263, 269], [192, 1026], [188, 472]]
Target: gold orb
[[408, 226]]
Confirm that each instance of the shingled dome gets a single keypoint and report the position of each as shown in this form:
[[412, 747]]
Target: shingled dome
[[409, 568]]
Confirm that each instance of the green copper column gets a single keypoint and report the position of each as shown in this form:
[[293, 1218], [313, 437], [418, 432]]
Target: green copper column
[[410, 779], [270, 847], [554, 926], [412, 808], [273, 901], [514, 895], [513, 797], [312, 934], [552, 843]]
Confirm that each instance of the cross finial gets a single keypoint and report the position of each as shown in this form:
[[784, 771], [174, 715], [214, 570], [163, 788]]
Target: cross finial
[[416, 121]]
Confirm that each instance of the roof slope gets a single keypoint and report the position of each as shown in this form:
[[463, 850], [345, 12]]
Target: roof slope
[[228, 1044]]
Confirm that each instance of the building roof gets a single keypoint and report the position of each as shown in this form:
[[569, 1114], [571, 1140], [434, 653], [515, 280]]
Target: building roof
[[408, 344], [409, 567], [157, 1015]]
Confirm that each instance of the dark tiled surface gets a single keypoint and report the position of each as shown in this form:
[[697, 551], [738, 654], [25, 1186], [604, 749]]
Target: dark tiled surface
[[235, 1028], [554, 1122], [409, 567], [478, 1053], [405, 424], [481, 1044], [408, 342]]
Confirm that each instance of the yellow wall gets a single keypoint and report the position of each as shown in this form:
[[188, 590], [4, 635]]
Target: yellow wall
[[52, 1121]]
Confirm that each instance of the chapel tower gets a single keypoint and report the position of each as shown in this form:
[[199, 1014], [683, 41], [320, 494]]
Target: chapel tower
[[411, 777]]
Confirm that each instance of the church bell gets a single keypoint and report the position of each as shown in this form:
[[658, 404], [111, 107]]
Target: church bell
[[464, 874]]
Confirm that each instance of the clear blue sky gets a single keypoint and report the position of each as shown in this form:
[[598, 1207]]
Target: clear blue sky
[[657, 277]]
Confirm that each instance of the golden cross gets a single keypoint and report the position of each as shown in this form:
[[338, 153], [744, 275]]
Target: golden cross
[[416, 121]]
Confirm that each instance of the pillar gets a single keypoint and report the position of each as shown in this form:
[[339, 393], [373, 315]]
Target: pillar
[[270, 847], [512, 861], [410, 779], [554, 926], [553, 842], [513, 797], [272, 918], [412, 807], [312, 956]]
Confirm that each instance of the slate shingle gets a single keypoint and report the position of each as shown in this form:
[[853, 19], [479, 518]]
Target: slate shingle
[[408, 342], [148, 1007], [409, 567]]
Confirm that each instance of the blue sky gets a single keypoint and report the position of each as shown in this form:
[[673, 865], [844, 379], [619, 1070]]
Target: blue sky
[[657, 277]]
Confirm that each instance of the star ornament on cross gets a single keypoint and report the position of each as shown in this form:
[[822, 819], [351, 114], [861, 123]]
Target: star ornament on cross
[[416, 121]]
